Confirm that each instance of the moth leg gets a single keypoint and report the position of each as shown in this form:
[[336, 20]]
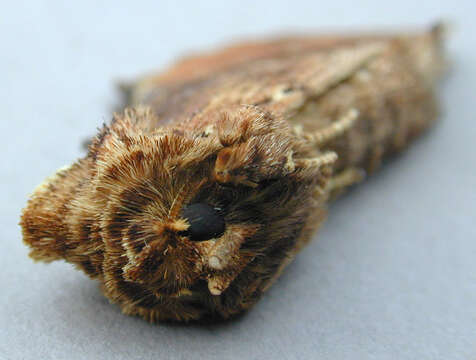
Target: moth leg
[[225, 258], [345, 179], [306, 168], [327, 158], [220, 281], [334, 130]]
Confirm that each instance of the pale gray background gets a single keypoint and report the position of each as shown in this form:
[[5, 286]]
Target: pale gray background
[[393, 272]]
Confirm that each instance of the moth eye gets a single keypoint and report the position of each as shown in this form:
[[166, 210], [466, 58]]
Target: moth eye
[[205, 222]]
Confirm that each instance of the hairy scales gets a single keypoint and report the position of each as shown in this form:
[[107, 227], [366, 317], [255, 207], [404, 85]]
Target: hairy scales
[[256, 138]]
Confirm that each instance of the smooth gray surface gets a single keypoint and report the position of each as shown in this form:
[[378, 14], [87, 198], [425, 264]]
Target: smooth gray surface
[[393, 273]]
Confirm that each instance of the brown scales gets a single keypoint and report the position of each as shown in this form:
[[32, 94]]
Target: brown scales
[[264, 133]]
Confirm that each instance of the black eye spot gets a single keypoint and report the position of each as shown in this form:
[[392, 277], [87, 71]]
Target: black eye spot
[[205, 222]]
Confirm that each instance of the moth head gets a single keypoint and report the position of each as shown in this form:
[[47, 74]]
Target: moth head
[[190, 218]]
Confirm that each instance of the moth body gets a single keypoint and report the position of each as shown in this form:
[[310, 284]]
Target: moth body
[[191, 202]]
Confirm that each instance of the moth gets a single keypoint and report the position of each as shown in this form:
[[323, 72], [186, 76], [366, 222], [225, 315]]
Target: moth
[[191, 201]]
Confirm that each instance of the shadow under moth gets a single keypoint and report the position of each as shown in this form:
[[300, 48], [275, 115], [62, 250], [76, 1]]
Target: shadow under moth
[[191, 202]]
